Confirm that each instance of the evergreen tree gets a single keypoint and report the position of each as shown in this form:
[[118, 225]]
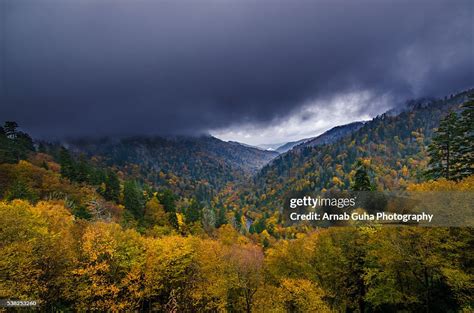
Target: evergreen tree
[[465, 140], [193, 212], [221, 217], [444, 150], [21, 190], [68, 166], [112, 187], [133, 199], [361, 179], [5, 150], [238, 220], [167, 199], [10, 129], [83, 170], [14, 145]]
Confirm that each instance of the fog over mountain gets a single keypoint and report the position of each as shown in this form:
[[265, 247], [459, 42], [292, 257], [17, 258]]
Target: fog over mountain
[[257, 72]]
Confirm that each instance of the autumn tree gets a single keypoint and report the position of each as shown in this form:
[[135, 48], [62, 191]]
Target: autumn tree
[[154, 213], [108, 273]]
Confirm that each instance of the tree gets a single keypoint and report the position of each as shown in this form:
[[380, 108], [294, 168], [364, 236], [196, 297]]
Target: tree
[[444, 156], [465, 139], [133, 199], [154, 213], [36, 252], [21, 190], [208, 219], [245, 276], [112, 187], [68, 166], [14, 145], [301, 295], [10, 129], [168, 199], [108, 272], [193, 212], [221, 218], [83, 170], [361, 179]]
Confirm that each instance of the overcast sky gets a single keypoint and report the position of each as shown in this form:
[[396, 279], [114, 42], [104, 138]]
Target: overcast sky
[[252, 71]]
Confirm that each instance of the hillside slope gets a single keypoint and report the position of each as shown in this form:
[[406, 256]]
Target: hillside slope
[[393, 145], [188, 159]]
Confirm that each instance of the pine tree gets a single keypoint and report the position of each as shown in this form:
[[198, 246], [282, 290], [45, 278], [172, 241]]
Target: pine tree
[[443, 150], [221, 217], [167, 198], [193, 212], [83, 170], [133, 199], [68, 168], [14, 145], [10, 129], [361, 179], [465, 140], [112, 187]]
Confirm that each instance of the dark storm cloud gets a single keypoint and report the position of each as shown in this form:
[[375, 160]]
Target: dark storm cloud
[[132, 67]]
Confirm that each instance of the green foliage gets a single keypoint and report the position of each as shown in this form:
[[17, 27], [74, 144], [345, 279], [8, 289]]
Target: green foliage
[[14, 145], [112, 187], [361, 179], [188, 166], [393, 145], [68, 165], [133, 199], [21, 190], [465, 143], [193, 211], [70, 253], [221, 218], [444, 157], [452, 148]]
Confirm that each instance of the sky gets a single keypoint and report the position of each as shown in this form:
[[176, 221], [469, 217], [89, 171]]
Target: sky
[[250, 71]]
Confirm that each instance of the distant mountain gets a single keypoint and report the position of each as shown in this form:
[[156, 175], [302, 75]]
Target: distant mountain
[[332, 135], [270, 146], [246, 145], [327, 137], [394, 146], [184, 162], [289, 145]]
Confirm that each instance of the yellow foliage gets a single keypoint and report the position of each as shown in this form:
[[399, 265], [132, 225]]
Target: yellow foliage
[[301, 295], [467, 184]]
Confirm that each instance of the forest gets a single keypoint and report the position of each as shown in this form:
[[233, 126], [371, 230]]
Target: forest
[[108, 229]]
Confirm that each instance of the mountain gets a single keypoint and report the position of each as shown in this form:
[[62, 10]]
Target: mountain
[[246, 145], [332, 135], [289, 145], [393, 146], [181, 162], [327, 137], [270, 146]]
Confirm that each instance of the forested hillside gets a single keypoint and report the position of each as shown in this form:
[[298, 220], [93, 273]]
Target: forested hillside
[[179, 225], [394, 146], [179, 163]]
